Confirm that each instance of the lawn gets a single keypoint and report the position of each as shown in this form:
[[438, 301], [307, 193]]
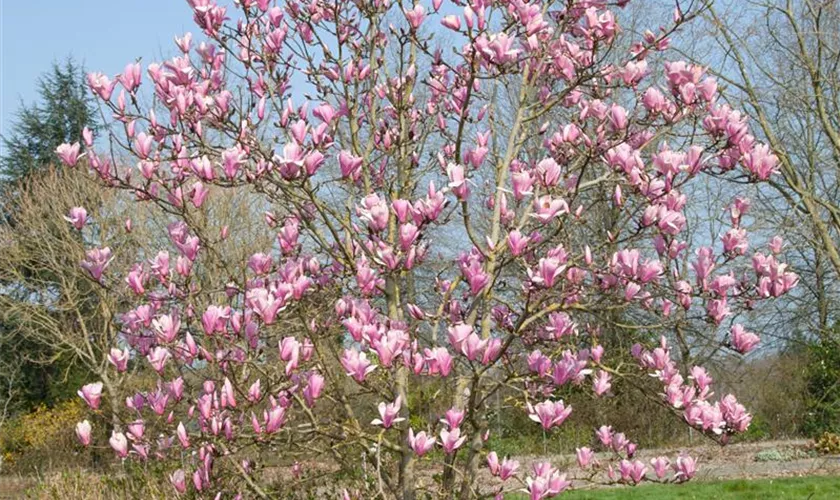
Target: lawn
[[815, 487]]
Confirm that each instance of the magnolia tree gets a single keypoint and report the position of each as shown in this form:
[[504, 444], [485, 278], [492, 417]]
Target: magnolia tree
[[461, 195]]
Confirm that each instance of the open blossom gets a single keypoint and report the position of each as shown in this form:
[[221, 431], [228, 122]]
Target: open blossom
[[742, 340], [451, 440], [548, 270], [504, 470], [546, 482], [605, 435], [118, 358], [92, 394], [601, 384], [96, 260], [453, 418], [632, 471], [421, 443], [389, 414], [660, 466], [439, 361], [761, 162], [158, 357], [68, 153], [549, 413], [546, 208], [77, 217], [735, 241], [685, 467], [101, 85], [357, 364]]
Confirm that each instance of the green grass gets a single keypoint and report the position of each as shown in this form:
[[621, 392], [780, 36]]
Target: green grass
[[814, 488]]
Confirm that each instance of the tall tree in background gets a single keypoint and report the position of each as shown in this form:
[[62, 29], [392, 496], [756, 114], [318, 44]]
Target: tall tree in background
[[62, 111]]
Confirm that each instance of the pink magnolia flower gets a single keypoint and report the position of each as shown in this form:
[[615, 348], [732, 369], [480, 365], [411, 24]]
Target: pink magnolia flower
[[548, 170], [493, 463], [736, 416], [776, 244], [549, 413], [473, 346], [516, 242], [584, 456], [101, 85], [119, 443], [314, 387], [96, 260], [601, 384], [255, 391], [508, 469], [183, 437], [453, 418], [83, 430], [451, 22], [457, 181], [143, 145], [356, 364], [523, 184], [415, 16], [451, 440], [546, 208], [158, 356], [420, 442], [167, 327], [660, 466], [735, 241], [742, 340], [274, 418], [119, 358], [458, 335], [92, 394], [605, 435], [548, 270], [136, 429], [77, 217], [374, 211], [685, 468], [179, 481], [228, 395], [439, 361], [68, 153], [389, 414], [131, 77], [632, 471], [547, 482], [350, 165], [761, 162], [184, 42]]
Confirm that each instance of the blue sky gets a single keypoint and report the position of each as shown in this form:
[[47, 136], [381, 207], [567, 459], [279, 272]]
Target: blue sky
[[102, 34]]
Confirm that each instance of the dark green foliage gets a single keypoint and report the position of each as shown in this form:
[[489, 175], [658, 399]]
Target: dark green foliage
[[32, 374], [824, 385], [64, 109]]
